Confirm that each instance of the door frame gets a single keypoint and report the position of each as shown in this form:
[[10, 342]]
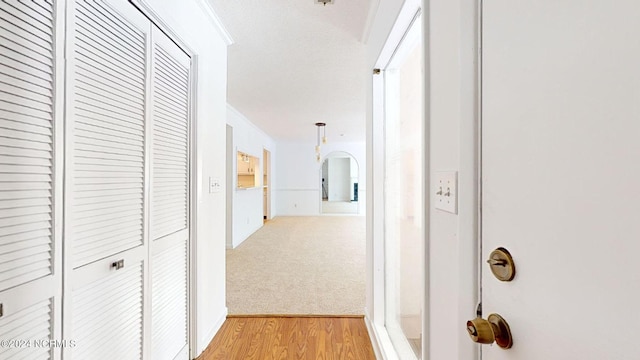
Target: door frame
[[470, 206]]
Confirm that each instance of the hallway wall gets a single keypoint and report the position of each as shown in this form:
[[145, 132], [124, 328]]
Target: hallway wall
[[194, 24], [298, 174], [248, 208], [452, 254]]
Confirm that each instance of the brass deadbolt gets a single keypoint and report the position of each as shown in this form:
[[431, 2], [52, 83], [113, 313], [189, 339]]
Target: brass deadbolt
[[495, 328], [502, 265]]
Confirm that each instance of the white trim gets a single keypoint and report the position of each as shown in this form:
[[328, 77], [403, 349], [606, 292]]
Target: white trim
[[67, 268], [208, 9], [145, 9], [373, 335], [217, 325], [407, 14], [192, 260], [426, 164], [380, 341]]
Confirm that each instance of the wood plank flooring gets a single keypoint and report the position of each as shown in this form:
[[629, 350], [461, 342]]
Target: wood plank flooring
[[295, 338]]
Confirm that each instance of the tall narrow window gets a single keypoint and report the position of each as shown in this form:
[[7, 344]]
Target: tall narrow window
[[403, 194]]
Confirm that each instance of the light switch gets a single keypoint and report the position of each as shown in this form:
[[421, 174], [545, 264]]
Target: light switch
[[214, 185], [446, 191]]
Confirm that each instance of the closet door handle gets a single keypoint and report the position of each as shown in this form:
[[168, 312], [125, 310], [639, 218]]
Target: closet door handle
[[118, 264]]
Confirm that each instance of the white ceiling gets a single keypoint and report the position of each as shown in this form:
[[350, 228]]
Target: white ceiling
[[294, 63]]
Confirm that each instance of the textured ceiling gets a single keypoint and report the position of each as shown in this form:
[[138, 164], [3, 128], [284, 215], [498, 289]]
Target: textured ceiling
[[294, 63]]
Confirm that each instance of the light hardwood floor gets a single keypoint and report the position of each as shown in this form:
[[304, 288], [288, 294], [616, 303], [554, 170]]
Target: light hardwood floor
[[284, 338]]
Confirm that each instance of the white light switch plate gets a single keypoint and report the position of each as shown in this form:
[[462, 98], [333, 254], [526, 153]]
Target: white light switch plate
[[446, 191], [214, 185]]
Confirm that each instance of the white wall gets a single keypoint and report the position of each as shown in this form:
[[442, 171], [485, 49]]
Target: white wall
[[194, 26], [452, 273], [248, 204], [298, 176], [340, 178]]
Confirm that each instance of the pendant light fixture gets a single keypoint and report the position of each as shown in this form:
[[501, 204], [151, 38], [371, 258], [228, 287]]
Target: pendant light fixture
[[319, 138]]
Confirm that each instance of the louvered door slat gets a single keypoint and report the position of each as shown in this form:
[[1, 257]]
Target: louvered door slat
[[28, 15], [170, 89], [128, 129], [167, 119], [169, 302], [28, 315], [107, 316], [33, 322], [108, 137], [29, 218], [17, 85], [93, 75], [12, 39], [24, 135], [170, 122], [44, 11], [93, 83], [34, 54], [32, 258], [125, 31], [27, 119], [170, 66], [102, 201], [27, 22], [22, 34], [96, 27], [29, 128], [107, 57], [104, 73], [26, 144], [14, 59], [38, 248]]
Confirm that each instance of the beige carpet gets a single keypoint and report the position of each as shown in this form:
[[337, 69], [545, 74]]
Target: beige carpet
[[300, 266]]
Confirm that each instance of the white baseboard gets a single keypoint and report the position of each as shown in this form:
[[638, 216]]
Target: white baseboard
[[382, 346], [373, 337], [204, 342]]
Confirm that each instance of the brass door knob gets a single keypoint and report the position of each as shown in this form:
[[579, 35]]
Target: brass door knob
[[494, 328]]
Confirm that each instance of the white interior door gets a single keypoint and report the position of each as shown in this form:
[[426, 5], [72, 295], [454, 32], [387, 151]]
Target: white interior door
[[560, 171], [30, 179], [106, 175], [169, 198]]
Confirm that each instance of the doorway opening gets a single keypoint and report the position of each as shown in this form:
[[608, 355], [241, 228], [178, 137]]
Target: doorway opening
[[339, 184]]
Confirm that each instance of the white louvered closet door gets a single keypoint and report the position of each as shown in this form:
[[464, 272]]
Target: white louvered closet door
[[106, 182], [30, 278], [169, 198]]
